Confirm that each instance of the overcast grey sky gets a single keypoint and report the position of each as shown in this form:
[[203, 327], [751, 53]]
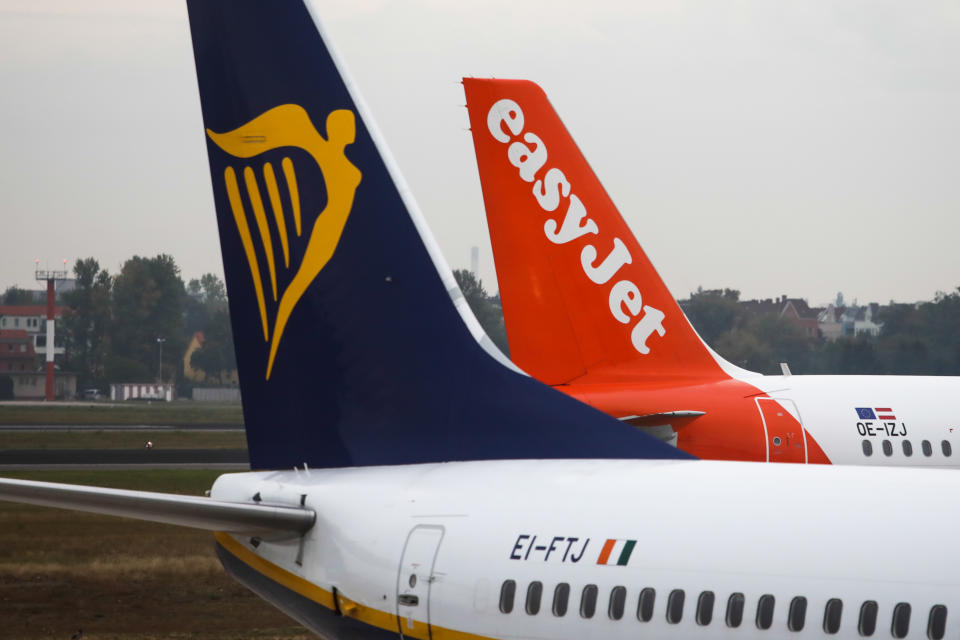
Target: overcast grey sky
[[802, 148]]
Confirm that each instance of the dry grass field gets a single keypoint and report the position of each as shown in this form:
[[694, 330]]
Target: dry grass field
[[119, 579]]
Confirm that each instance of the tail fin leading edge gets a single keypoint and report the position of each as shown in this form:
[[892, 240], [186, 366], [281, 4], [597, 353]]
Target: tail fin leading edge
[[349, 349], [578, 291]]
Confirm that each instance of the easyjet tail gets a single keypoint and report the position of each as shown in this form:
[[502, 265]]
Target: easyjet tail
[[586, 312]]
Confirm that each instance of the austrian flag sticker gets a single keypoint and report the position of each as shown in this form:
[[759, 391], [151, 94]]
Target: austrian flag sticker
[[616, 552]]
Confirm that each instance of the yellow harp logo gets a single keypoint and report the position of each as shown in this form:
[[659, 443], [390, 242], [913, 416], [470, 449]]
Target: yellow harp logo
[[289, 126]]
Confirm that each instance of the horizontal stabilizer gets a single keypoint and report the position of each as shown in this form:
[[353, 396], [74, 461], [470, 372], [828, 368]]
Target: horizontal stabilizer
[[169, 508]]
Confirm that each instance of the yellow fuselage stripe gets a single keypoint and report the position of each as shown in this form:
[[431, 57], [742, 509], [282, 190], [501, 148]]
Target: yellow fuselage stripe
[[348, 607]]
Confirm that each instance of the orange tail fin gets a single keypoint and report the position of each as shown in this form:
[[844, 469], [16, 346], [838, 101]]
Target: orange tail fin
[[578, 292]]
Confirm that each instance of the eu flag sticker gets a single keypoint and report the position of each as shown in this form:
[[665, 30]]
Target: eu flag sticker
[[866, 413]]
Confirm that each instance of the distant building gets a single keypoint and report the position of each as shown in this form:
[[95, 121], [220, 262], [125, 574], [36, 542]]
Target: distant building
[[765, 307], [143, 391], [848, 321], [63, 286], [798, 312], [834, 321], [830, 321], [794, 310], [16, 351], [19, 361], [33, 320], [860, 321]]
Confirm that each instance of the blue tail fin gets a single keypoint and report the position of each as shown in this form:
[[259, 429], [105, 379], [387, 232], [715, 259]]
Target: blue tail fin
[[350, 349]]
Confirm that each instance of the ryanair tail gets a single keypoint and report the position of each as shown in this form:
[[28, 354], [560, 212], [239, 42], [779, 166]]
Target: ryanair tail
[[354, 344], [580, 297]]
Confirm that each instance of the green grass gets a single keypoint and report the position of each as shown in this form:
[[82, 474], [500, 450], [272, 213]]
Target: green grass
[[175, 414], [99, 439], [122, 579], [191, 482]]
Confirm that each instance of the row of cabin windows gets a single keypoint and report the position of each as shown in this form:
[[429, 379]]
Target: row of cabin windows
[[907, 447], [733, 616]]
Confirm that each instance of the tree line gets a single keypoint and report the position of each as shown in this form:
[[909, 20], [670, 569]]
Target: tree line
[[112, 331], [134, 326], [914, 339]]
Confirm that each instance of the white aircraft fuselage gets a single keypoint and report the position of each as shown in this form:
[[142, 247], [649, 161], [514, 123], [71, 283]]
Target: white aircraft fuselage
[[425, 550]]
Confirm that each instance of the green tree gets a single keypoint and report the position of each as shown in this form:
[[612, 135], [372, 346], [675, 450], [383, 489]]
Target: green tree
[[149, 299], [217, 355], [850, 355], [120, 369], [16, 296], [922, 339], [744, 349], [89, 323], [713, 313], [204, 297], [214, 291], [785, 341], [487, 309]]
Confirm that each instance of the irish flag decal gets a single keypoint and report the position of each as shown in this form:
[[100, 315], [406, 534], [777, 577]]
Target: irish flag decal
[[616, 552]]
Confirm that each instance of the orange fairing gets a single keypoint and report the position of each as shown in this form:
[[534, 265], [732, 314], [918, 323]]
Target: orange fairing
[[731, 427], [578, 292]]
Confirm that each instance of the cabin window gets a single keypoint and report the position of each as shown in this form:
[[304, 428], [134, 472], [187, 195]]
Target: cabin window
[[947, 449], [831, 615], [507, 591], [907, 448], [705, 608], [937, 623], [867, 448], [901, 620], [887, 448], [645, 606], [618, 600], [734, 610], [534, 593], [675, 606], [927, 448], [797, 615], [561, 596], [765, 611], [868, 618], [588, 601]]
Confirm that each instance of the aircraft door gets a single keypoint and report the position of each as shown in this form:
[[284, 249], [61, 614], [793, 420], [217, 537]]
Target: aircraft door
[[786, 439], [416, 579]]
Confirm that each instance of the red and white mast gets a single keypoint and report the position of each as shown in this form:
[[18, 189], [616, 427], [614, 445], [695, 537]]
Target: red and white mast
[[51, 277]]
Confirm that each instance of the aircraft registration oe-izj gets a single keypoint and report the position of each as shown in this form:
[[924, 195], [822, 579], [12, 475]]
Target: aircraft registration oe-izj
[[407, 481], [587, 313]]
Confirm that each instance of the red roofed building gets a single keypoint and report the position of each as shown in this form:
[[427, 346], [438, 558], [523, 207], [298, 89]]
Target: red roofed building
[[16, 351], [33, 320], [23, 348]]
